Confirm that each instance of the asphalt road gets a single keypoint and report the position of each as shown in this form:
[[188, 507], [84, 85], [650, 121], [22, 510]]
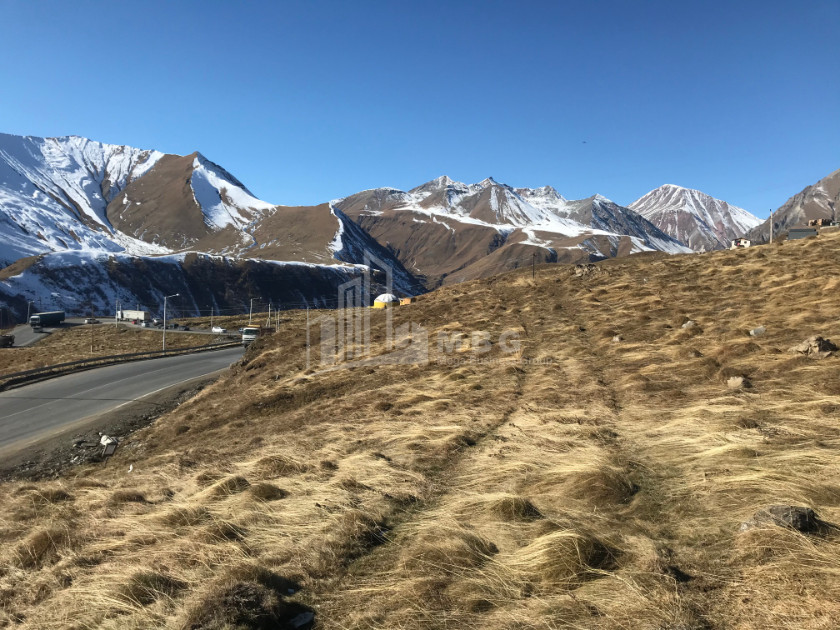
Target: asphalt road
[[24, 336], [35, 411]]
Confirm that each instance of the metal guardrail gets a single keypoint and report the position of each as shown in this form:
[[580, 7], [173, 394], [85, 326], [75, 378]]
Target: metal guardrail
[[15, 378]]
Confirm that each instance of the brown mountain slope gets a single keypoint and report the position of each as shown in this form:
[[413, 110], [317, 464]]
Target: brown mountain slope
[[582, 481], [819, 201], [300, 233], [160, 206]]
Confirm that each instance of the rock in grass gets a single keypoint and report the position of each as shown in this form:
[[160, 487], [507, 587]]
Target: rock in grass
[[815, 346], [737, 382], [801, 519]]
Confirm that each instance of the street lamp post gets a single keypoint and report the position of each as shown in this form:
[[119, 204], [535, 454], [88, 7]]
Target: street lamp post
[[166, 297], [251, 311], [29, 310]]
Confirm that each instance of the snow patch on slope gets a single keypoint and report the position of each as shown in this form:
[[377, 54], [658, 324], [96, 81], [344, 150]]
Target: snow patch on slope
[[223, 199], [54, 192]]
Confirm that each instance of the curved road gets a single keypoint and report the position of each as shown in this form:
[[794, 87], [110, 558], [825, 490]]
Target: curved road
[[34, 411]]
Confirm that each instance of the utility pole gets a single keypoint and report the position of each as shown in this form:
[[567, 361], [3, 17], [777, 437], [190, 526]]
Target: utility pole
[[533, 265], [251, 311], [771, 226], [268, 323], [166, 297], [117, 306], [211, 316], [29, 310]]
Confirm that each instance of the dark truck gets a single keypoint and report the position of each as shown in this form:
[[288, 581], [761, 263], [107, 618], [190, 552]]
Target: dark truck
[[51, 318]]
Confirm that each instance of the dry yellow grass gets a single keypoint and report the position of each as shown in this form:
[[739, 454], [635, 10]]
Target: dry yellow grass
[[84, 342], [578, 483]]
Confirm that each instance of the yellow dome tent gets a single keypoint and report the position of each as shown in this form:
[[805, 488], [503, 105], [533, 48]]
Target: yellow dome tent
[[385, 300]]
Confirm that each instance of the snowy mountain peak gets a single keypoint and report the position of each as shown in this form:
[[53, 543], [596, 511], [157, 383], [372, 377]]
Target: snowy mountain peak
[[72, 193], [444, 182], [547, 191], [694, 217], [545, 198]]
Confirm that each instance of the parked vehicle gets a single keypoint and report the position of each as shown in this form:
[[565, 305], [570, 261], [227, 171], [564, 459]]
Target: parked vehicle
[[146, 325], [185, 327], [218, 330], [157, 321], [91, 320], [51, 318], [7, 341]]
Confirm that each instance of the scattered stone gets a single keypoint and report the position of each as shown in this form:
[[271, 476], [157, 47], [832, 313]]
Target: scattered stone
[[801, 519], [737, 382], [585, 270], [689, 324], [617, 338], [760, 330], [815, 346]]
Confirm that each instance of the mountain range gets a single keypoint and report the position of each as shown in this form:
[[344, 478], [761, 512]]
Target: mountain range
[[78, 218]]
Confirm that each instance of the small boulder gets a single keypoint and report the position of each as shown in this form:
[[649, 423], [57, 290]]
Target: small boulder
[[737, 382], [760, 330], [689, 324], [617, 338], [801, 519], [815, 346]]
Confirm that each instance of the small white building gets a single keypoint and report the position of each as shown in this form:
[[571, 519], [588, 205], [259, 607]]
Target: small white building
[[740, 242]]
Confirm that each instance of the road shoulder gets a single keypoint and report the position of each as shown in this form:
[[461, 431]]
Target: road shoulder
[[57, 453]]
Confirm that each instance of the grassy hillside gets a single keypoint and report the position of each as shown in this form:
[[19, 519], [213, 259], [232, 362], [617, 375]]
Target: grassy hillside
[[597, 478]]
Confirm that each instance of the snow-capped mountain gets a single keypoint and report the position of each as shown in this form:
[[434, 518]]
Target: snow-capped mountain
[[448, 231], [54, 194], [71, 193], [694, 218], [819, 201]]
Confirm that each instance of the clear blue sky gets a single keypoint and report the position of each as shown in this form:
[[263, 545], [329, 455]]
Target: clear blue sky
[[309, 101]]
